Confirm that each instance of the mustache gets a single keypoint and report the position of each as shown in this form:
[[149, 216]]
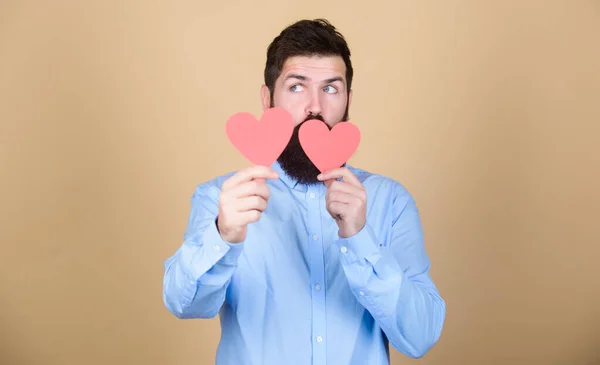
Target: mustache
[[311, 116]]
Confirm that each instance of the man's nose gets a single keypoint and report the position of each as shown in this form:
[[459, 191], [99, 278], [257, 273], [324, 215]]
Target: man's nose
[[314, 104]]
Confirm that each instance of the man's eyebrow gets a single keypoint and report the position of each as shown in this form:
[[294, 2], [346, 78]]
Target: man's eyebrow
[[334, 79], [304, 78], [296, 76]]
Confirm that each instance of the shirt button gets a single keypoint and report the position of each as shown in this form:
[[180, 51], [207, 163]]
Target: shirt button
[[362, 293], [318, 287], [315, 237], [319, 339], [217, 248], [344, 249], [313, 195]]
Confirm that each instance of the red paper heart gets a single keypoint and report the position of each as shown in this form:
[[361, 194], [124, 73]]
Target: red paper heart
[[328, 149], [262, 141]]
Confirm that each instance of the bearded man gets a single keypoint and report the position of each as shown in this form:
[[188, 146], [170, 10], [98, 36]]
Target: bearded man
[[305, 267]]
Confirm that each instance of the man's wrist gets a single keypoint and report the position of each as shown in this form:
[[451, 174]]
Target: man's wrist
[[224, 236]]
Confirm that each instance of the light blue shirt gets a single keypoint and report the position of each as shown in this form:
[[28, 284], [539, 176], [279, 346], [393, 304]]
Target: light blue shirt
[[294, 292]]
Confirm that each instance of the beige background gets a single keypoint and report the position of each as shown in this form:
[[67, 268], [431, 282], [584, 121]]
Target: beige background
[[112, 112]]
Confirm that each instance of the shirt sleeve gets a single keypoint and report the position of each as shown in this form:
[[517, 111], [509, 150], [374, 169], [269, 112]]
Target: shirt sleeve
[[197, 275], [391, 280]]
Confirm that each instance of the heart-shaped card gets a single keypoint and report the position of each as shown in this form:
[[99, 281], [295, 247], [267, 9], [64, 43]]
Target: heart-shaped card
[[328, 149], [262, 141]]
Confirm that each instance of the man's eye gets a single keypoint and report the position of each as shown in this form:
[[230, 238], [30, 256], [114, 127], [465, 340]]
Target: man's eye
[[330, 89], [295, 88]]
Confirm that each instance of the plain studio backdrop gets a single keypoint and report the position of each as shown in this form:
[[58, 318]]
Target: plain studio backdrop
[[112, 112]]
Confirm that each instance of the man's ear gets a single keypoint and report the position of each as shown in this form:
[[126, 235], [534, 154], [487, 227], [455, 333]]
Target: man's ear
[[349, 99], [265, 97]]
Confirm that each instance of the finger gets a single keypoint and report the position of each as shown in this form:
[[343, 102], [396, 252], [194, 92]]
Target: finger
[[337, 209], [339, 197], [358, 192], [250, 173], [249, 216], [250, 188], [331, 181], [251, 203], [344, 173], [328, 182]]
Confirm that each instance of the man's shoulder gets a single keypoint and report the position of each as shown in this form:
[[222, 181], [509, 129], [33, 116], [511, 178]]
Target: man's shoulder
[[379, 183], [212, 185]]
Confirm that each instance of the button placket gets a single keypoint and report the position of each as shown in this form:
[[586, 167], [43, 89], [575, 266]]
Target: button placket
[[317, 274]]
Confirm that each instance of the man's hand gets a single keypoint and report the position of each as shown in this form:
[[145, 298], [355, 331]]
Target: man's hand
[[346, 200], [243, 198]]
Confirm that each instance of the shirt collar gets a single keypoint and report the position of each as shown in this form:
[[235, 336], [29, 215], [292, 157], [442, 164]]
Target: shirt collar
[[288, 180], [293, 183]]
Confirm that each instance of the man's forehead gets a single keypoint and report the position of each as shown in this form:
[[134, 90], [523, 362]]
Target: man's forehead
[[315, 68]]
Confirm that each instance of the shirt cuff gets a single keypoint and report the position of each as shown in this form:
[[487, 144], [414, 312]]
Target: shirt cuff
[[219, 250], [361, 246]]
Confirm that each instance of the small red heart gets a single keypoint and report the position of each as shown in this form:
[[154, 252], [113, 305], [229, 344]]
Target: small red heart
[[261, 141], [328, 149]]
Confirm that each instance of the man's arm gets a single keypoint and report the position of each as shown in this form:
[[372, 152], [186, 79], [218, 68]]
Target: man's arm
[[393, 282], [197, 275]]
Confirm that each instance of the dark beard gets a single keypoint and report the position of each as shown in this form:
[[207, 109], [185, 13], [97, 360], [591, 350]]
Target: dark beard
[[295, 162]]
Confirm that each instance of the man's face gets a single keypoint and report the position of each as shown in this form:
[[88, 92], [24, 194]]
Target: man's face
[[309, 88]]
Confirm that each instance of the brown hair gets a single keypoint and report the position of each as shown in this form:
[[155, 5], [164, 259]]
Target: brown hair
[[306, 38]]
